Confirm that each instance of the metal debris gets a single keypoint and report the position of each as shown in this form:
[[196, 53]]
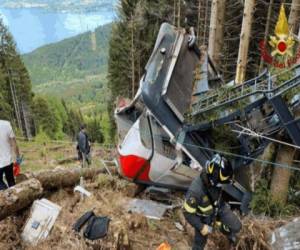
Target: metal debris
[[286, 237], [150, 209]]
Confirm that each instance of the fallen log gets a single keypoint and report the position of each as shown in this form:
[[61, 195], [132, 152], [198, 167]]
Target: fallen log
[[19, 197], [23, 194], [66, 177]]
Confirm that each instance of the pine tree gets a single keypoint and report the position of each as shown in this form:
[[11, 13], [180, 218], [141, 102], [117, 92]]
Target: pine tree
[[46, 120], [15, 81]]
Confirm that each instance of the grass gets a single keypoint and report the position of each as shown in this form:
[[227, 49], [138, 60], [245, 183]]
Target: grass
[[41, 156]]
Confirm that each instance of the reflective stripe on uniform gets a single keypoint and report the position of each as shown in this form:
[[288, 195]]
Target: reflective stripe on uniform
[[188, 208], [222, 177], [206, 209], [226, 228]]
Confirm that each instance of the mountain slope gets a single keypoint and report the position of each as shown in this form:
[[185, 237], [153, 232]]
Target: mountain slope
[[72, 58], [73, 69]]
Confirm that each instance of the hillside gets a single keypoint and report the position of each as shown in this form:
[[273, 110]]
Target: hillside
[[76, 57], [76, 64]]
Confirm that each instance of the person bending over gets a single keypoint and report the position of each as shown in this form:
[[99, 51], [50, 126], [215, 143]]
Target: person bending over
[[204, 207]]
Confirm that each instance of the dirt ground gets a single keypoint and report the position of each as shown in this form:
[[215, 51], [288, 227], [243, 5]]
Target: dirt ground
[[109, 196], [126, 231]]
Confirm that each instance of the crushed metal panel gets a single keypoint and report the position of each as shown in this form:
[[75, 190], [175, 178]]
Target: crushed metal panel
[[201, 83], [180, 87], [42, 218], [150, 209], [286, 237]]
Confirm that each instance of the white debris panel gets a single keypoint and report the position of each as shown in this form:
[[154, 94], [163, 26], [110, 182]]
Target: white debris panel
[[40, 222], [286, 237]]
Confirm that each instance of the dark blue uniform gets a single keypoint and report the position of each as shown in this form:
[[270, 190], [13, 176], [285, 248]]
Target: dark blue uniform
[[204, 205]]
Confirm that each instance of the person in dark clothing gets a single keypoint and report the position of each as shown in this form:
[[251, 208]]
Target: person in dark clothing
[[83, 146], [204, 207]]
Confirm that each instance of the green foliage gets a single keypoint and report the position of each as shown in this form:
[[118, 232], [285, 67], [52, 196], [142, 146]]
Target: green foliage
[[225, 140], [15, 86], [42, 138], [73, 70], [94, 130], [55, 120], [72, 58], [132, 40], [106, 128], [45, 117], [5, 109], [263, 204]]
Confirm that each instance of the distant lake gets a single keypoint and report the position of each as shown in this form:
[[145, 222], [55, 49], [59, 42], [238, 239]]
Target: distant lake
[[35, 27]]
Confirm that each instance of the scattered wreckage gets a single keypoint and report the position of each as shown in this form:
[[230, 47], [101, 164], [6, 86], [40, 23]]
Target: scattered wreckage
[[165, 133]]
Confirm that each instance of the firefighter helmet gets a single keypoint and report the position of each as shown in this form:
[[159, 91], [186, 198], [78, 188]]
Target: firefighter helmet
[[219, 170]]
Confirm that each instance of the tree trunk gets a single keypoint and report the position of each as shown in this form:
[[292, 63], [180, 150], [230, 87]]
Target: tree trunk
[[65, 177], [244, 41], [179, 14], [132, 60], [198, 21], [294, 16], [216, 30], [205, 22], [26, 119], [19, 197], [14, 98], [257, 168], [213, 28], [281, 176], [267, 30], [174, 13], [298, 61]]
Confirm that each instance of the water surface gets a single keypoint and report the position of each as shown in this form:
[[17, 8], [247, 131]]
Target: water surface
[[34, 27]]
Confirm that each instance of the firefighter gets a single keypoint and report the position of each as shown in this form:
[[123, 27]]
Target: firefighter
[[204, 207]]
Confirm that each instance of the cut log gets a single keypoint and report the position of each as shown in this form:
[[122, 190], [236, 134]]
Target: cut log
[[23, 194], [66, 177], [19, 197]]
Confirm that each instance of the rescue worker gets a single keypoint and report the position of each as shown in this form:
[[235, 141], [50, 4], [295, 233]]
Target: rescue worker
[[8, 148], [204, 207], [83, 146]]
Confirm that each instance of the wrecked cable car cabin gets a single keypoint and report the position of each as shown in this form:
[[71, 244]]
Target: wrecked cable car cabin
[[166, 134]]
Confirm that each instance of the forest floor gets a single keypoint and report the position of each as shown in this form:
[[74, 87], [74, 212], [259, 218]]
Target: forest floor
[[110, 194]]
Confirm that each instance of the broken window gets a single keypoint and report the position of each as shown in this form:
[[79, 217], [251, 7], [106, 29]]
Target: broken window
[[145, 132], [162, 142]]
